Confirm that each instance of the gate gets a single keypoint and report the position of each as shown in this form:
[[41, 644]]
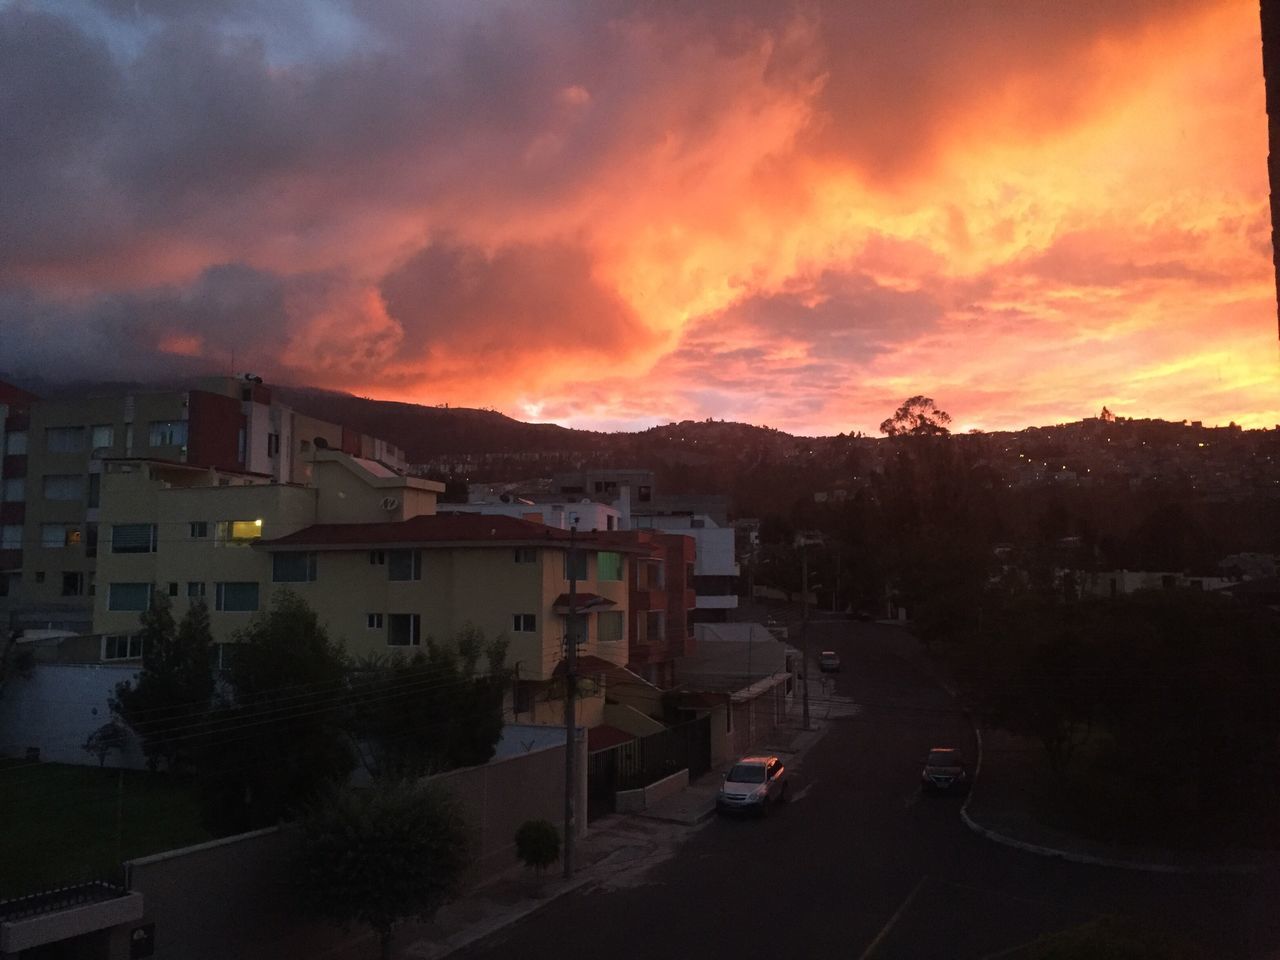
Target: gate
[[645, 760]]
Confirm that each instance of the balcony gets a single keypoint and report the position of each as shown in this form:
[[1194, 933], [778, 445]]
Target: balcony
[[67, 913]]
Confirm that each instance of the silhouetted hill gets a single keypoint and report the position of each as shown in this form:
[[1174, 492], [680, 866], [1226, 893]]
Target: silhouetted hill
[[426, 432]]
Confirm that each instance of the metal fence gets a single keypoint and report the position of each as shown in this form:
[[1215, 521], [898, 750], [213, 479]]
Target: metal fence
[[645, 760], [61, 898]]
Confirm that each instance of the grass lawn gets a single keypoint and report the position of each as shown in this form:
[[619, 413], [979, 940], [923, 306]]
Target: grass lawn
[[60, 822]]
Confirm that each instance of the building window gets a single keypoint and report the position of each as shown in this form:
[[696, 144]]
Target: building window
[[404, 629], [199, 529], [526, 554], [15, 443], [237, 597], [95, 489], [122, 647], [524, 623], [168, 433], [90, 539], [697, 523], [239, 533], [91, 587], [273, 444], [64, 486], [102, 436], [15, 490], [377, 558], [575, 565], [293, 567], [610, 522], [72, 583], [128, 597], [240, 447], [64, 439], [195, 590], [39, 576], [173, 588], [133, 538], [9, 583], [58, 535], [655, 626], [609, 626], [373, 621], [404, 564], [644, 493], [608, 565], [11, 536]]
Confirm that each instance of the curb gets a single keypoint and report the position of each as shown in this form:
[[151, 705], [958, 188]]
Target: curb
[[478, 932], [1147, 867]]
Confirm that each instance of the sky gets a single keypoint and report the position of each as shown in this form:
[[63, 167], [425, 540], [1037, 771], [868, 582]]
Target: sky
[[614, 214]]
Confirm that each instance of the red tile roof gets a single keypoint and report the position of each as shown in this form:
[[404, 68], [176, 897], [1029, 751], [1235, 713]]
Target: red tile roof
[[589, 665], [604, 736], [583, 602], [439, 530]]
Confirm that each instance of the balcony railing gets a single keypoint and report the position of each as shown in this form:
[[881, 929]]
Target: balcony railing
[[60, 898]]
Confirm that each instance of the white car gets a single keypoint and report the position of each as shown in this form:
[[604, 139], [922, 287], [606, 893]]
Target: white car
[[753, 785]]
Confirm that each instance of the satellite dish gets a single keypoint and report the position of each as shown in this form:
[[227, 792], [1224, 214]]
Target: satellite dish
[[390, 503]]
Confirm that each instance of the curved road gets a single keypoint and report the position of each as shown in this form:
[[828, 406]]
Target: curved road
[[862, 866]]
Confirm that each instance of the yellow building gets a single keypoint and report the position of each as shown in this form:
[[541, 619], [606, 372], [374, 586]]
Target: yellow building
[[364, 547]]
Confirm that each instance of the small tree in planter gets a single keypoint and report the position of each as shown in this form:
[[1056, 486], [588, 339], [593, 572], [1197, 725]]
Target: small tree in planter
[[538, 845], [108, 737]]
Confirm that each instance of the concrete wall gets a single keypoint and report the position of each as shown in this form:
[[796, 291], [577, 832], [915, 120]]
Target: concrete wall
[[56, 709], [232, 897], [756, 719]]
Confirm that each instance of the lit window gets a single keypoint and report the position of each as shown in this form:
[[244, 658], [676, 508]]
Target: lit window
[[239, 532], [58, 535]]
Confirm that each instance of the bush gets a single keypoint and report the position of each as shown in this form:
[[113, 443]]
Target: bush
[[537, 844]]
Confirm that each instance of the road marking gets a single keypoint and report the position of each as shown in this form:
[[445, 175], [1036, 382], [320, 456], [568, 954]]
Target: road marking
[[884, 931]]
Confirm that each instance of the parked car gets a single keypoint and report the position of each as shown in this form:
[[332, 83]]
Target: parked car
[[829, 661], [753, 785], [944, 771]]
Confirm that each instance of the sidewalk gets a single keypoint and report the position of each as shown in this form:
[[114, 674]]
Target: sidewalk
[[617, 852]]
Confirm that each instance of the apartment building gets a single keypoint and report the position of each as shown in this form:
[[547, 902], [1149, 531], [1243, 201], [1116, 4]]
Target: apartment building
[[15, 415], [61, 448], [365, 548]]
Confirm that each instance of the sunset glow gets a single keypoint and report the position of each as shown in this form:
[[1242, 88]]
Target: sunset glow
[[786, 215]]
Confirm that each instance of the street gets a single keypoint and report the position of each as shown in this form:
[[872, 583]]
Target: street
[[861, 865]]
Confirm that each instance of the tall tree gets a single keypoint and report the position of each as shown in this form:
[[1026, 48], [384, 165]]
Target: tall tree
[[918, 416], [277, 741], [175, 687], [381, 855], [433, 711]]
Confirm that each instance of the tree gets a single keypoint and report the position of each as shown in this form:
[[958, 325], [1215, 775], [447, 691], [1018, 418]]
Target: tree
[[433, 711], [381, 855], [538, 845], [108, 737], [917, 417], [174, 689], [277, 740]]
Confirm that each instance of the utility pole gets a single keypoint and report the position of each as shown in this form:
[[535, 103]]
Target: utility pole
[[804, 625], [570, 707]]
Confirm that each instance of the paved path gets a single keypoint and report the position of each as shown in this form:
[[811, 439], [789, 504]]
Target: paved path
[[860, 865]]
